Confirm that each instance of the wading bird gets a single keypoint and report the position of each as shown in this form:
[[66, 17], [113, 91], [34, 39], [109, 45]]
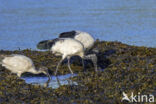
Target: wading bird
[[19, 64], [66, 47], [85, 38]]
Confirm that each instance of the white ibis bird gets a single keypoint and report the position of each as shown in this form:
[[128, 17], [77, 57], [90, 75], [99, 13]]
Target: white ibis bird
[[19, 64], [66, 47], [86, 39]]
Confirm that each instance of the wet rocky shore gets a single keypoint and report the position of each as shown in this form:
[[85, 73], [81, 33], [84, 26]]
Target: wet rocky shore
[[122, 68]]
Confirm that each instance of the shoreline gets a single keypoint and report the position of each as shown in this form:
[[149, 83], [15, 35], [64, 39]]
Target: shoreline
[[97, 40]]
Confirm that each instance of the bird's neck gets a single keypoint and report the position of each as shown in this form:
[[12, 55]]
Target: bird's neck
[[35, 71]]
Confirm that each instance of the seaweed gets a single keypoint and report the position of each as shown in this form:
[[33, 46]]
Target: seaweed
[[122, 68]]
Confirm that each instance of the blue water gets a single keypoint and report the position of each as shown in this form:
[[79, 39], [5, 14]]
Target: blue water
[[23, 23], [54, 83]]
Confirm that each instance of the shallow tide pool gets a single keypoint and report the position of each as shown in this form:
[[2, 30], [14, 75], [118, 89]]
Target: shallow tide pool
[[56, 82]]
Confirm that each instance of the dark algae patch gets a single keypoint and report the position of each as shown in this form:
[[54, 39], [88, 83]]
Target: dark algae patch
[[122, 68]]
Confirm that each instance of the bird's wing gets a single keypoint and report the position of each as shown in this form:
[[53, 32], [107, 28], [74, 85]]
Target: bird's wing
[[17, 62]]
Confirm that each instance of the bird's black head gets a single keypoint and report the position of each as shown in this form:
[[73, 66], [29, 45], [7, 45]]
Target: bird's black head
[[44, 70]]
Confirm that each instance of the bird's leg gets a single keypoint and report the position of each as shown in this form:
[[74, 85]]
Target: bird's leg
[[93, 58], [47, 83], [69, 66], [58, 81], [83, 64], [58, 66], [19, 74]]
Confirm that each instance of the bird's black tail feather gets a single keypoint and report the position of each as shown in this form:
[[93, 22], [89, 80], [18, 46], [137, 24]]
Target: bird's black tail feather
[[70, 34]]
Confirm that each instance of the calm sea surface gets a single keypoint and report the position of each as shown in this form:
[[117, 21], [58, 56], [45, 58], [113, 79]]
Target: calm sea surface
[[23, 23]]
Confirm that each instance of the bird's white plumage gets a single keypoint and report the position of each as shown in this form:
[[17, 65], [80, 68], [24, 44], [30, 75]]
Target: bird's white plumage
[[85, 38], [19, 64], [88, 41], [68, 47]]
